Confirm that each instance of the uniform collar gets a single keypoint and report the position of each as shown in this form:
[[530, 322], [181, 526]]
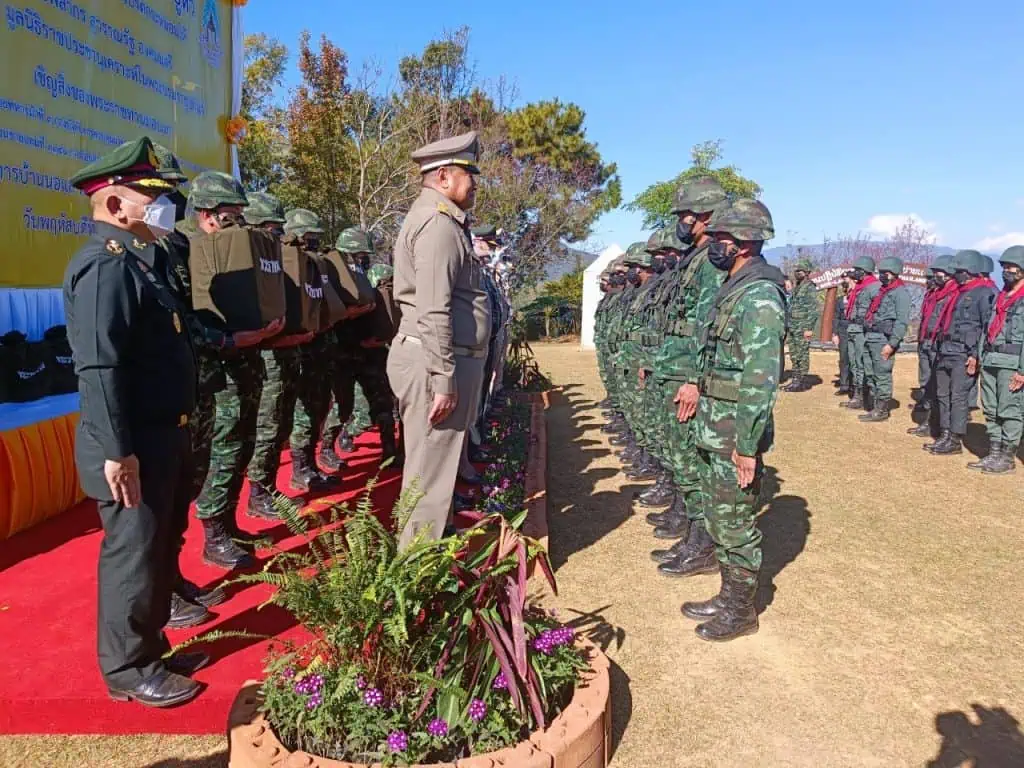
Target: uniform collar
[[435, 199], [116, 241]]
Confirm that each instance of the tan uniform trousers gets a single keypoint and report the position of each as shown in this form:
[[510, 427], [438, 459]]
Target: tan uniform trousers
[[431, 452]]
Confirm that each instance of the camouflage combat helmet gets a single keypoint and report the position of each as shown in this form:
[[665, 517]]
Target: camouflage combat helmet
[[969, 261], [654, 242], [301, 221], [942, 264], [891, 264], [168, 168], [637, 256], [744, 220], [213, 188], [263, 209], [380, 272], [1013, 255], [698, 196], [354, 240], [989, 264], [865, 263], [618, 263], [669, 239]]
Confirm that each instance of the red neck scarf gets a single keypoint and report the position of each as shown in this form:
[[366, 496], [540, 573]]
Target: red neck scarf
[[1003, 303], [877, 301], [947, 311], [931, 301], [851, 300]]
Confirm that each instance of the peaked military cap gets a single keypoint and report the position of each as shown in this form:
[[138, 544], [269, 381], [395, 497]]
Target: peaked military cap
[[462, 150], [637, 255], [214, 188], [354, 240], [486, 232], [133, 164], [301, 221], [744, 220], [891, 264], [168, 166], [1013, 255], [699, 196], [263, 208], [943, 264]]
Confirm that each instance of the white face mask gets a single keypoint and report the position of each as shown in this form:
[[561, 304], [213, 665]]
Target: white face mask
[[160, 215]]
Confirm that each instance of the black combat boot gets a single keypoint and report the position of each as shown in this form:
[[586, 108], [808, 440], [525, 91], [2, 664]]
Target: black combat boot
[[661, 493], [856, 402], [388, 446], [705, 609], [698, 556], [676, 528], [261, 503], [798, 383], [329, 458], [193, 593], [943, 438], [881, 413], [220, 550], [843, 390], [921, 430], [738, 616], [985, 461], [345, 443], [185, 614], [666, 555], [646, 469], [306, 477], [951, 446], [614, 425], [1004, 462], [671, 516], [624, 438], [606, 403]]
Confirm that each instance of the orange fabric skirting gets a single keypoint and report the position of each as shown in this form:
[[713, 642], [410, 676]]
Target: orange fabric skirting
[[38, 478]]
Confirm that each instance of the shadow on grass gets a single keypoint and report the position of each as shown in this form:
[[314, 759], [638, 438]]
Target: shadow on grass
[[785, 523], [996, 741], [220, 760]]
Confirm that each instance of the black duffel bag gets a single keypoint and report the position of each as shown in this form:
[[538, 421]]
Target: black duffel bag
[[24, 375], [63, 380]]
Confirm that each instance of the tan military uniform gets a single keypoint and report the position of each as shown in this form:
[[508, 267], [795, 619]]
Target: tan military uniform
[[441, 347]]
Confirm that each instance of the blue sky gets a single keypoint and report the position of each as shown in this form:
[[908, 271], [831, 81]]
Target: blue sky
[[851, 116]]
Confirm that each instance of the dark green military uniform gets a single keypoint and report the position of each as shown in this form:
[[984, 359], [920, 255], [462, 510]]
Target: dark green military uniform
[[885, 325], [857, 304], [137, 383], [942, 291], [803, 317]]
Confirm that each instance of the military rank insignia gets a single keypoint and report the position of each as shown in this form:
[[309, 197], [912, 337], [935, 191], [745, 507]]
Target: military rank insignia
[[139, 244], [177, 322], [114, 247]]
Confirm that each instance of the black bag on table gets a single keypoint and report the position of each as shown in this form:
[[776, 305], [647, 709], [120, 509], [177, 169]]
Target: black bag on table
[[63, 380], [24, 375]]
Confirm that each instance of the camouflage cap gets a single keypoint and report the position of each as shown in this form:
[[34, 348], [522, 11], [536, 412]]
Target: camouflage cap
[[213, 188], [167, 165], [637, 256], [354, 240], [263, 209], [865, 263], [891, 264], [1013, 255], [699, 196], [380, 272], [302, 221], [943, 264], [989, 264], [655, 241], [803, 265], [969, 261], [744, 220]]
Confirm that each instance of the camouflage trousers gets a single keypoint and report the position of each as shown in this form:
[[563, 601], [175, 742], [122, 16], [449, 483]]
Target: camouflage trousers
[[654, 421], [1004, 410], [681, 453], [200, 426], [730, 512], [276, 414], [314, 393], [857, 352], [234, 434], [878, 370], [368, 368], [799, 353]]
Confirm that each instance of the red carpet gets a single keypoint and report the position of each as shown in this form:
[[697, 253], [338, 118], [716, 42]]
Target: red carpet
[[49, 679]]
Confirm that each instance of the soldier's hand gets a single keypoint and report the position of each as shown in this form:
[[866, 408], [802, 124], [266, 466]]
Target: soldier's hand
[[442, 408], [687, 398], [641, 377], [122, 477], [887, 352], [808, 335], [1016, 382], [746, 466], [835, 339], [972, 366], [252, 338]]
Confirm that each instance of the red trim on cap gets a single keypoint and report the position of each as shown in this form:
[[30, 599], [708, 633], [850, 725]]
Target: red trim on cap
[[135, 173]]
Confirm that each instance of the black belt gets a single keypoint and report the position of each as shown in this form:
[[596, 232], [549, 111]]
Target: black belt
[[1005, 349]]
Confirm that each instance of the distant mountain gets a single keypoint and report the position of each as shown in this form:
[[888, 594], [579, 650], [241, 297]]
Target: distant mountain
[[777, 255], [571, 260]]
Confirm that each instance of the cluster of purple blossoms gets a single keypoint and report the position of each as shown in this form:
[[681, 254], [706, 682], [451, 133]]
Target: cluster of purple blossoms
[[438, 728], [500, 682], [360, 683], [477, 710], [398, 741], [288, 673], [373, 698], [549, 639], [311, 686]]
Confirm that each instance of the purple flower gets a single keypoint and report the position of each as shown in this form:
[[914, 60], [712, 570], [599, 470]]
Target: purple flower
[[288, 673], [360, 683], [477, 710], [438, 728], [310, 685], [314, 701], [500, 682], [398, 741], [373, 698]]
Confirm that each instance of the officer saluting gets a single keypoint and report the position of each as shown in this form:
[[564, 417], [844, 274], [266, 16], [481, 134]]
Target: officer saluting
[[137, 383], [436, 363]]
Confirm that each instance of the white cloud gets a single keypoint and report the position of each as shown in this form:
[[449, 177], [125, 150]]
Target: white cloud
[[999, 243], [887, 224]]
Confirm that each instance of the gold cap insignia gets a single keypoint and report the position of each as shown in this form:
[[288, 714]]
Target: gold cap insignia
[[139, 244], [153, 159], [115, 247]]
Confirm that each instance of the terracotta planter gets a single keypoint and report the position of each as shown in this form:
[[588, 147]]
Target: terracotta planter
[[578, 738]]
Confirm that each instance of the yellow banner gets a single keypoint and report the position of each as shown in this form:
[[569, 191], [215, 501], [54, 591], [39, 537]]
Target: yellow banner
[[81, 77]]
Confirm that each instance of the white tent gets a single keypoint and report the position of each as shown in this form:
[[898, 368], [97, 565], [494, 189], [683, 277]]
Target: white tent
[[592, 291]]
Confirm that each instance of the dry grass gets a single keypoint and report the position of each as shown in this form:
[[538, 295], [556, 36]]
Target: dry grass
[[892, 634]]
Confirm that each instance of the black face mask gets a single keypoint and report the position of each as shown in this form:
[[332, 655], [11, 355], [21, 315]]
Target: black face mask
[[659, 267], [633, 276], [930, 284], [1010, 279], [684, 232], [277, 231], [961, 277], [311, 243], [859, 274], [885, 278], [671, 261], [180, 201], [721, 256], [363, 263], [617, 279]]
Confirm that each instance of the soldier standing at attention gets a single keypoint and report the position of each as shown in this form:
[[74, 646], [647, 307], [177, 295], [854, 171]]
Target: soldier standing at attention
[[924, 344], [436, 362], [137, 384], [866, 286], [1002, 369], [885, 325], [803, 320], [841, 337], [741, 362], [962, 328], [928, 341]]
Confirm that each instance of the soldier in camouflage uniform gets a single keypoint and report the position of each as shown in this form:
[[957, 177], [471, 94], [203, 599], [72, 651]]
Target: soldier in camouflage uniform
[[740, 365], [885, 325], [617, 307], [803, 320], [613, 280], [361, 358], [865, 289], [676, 369], [281, 360]]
